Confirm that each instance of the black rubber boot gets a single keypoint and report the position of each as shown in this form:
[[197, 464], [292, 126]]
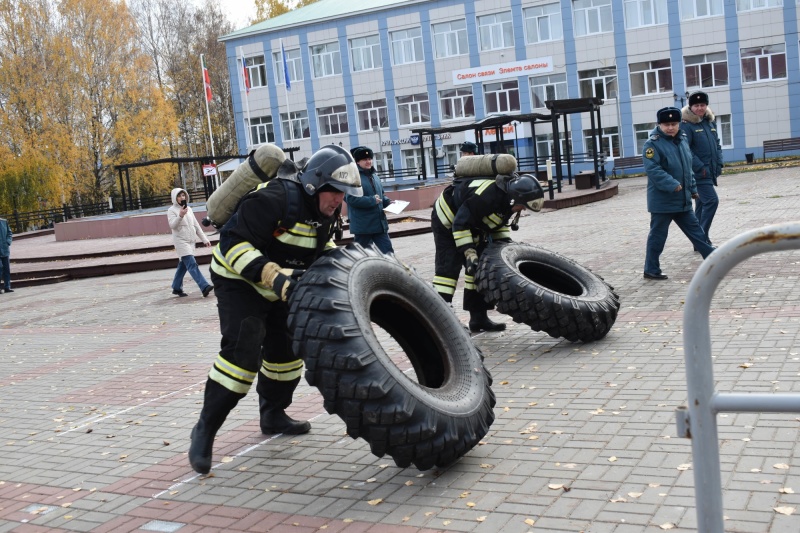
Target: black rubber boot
[[275, 420], [217, 404], [479, 321], [202, 445]]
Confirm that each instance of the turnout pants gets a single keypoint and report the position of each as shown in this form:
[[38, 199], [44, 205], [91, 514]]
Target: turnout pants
[[448, 264], [255, 341]]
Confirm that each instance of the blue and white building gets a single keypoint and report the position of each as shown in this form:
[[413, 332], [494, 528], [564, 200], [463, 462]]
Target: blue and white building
[[367, 72]]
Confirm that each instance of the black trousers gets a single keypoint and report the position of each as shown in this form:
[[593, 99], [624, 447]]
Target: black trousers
[[255, 341], [448, 264]]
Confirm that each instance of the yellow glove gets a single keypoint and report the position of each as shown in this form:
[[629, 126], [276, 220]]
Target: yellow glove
[[280, 280], [470, 261]]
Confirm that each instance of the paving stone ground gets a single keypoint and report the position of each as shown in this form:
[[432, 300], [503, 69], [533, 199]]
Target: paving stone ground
[[102, 380]]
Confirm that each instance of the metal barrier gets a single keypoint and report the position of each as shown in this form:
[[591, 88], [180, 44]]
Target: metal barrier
[[699, 421]]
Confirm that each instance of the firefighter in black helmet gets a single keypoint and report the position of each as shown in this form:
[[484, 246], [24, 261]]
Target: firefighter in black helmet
[[467, 215], [276, 233]]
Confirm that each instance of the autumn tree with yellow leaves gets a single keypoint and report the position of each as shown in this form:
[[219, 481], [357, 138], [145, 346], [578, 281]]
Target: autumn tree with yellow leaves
[[77, 96]]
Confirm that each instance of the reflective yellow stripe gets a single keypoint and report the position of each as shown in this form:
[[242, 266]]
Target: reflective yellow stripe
[[444, 212], [301, 235], [220, 268], [230, 376], [237, 257], [469, 283], [444, 285], [283, 371], [502, 233], [493, 220], [480, 185], [462, 237]]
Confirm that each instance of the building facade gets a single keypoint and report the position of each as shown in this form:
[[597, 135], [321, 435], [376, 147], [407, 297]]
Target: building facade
[[368, 72]]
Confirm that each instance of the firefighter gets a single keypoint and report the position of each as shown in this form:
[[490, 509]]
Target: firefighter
[[276, 233], [467, 215]]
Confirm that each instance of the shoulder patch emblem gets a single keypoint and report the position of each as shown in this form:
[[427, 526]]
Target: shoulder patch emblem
[[649, 153]]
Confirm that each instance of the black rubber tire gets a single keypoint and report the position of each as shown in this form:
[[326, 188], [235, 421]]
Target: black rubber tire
[[547, 291], [429, 422]]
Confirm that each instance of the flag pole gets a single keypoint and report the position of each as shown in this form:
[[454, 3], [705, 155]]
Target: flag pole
[[246, 97], [208, 115], [286, 93]]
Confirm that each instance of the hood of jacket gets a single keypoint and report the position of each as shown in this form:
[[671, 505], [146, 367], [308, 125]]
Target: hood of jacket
[[691, 118], [175, 192]]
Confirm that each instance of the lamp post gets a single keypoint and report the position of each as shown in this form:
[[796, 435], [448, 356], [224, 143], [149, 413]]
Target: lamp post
[[377, 128], [619, 121]]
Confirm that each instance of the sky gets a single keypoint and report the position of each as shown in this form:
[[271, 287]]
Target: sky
[[240, 12]]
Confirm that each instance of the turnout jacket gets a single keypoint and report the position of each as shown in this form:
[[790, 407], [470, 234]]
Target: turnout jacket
[[473, 208], [703, 138], [256, 234], [668, 163]]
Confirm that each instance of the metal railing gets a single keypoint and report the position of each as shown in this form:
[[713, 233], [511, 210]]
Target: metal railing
[[22, 221], [698, 421]]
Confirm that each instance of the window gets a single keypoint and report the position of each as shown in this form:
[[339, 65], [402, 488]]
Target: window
[[496, 31], [294, 64], [411, 160], [295, 125], [592, 16], [651, 77], [256, 70], [753, 5], [542, 23], [373, 114], [383, 163], [642, 132], [406, 46], [332, 120], [764, 62], [325, 60], [544, 146], [413, 109], [449, 155], [598, 83], [456, 103], [450, 39], [501, 97], [706, 70], [724, 131], [551, 87], [261, 130], [365, 53], [609, 137], [640, 13], [695, 9]]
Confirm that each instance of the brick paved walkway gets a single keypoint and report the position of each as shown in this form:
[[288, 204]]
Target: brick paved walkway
[[102, 380]]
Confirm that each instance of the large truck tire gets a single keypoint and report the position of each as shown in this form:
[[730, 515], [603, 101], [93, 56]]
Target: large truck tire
[[428, 422], [547, 291]]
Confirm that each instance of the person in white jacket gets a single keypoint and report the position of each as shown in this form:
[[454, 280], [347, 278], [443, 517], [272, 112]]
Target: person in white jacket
[[185, 232]]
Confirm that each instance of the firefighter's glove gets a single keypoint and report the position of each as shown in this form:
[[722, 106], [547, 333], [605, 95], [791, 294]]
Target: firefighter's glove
[[280, 280], [470, 261]]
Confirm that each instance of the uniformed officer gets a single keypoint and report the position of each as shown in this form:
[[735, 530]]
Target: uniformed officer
[[468, 148], [467, 215], [701, 133], [670, 189], [276, 233]]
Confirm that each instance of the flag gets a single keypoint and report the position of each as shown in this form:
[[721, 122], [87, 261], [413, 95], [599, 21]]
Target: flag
[[286, 70], [206, 78], [245, 75]]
